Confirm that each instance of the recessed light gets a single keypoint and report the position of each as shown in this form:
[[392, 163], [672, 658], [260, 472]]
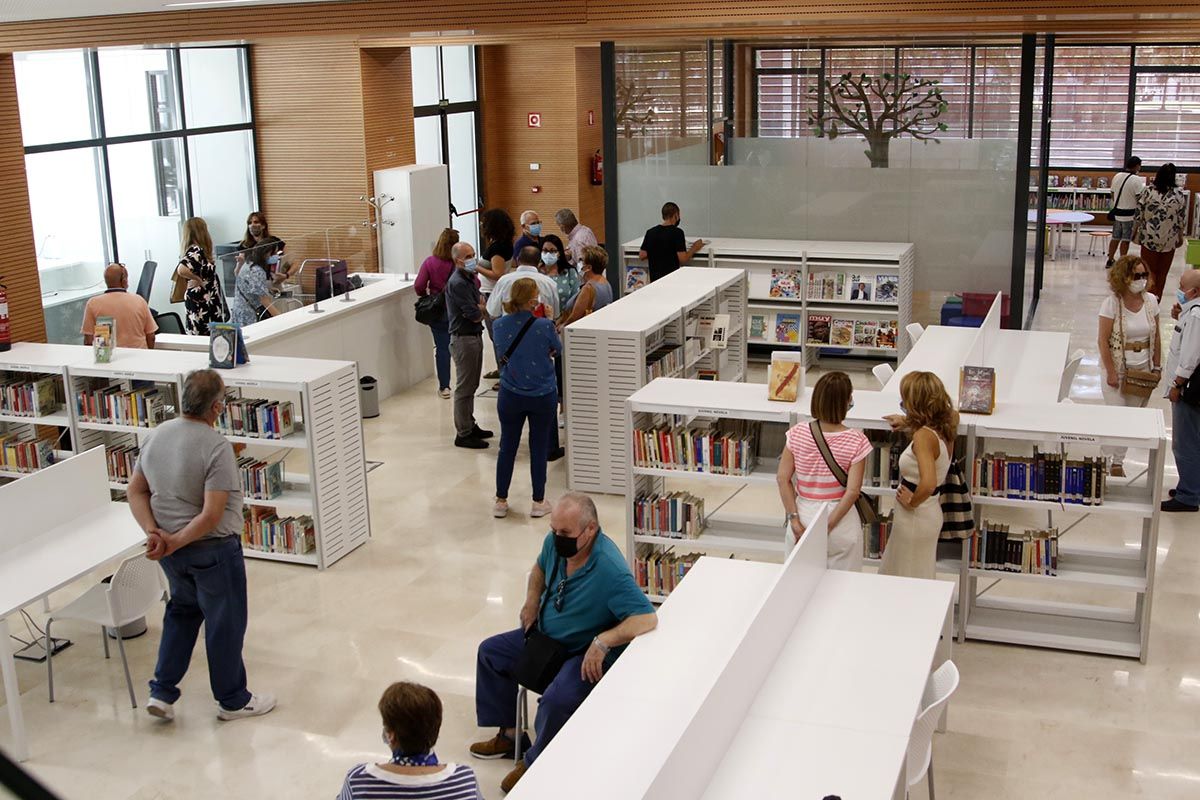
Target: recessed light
[[210, 3]]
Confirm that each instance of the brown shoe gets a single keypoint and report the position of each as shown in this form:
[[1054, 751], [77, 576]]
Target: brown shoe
[[1117, 471], [510, 780], [499, 746]]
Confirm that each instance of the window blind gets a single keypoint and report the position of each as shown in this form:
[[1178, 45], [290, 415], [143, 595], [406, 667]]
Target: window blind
[[1090, 102], [664, 93]]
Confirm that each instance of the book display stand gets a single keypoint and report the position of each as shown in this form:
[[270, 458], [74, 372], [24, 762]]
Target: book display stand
[[651, 333], [325, 447]]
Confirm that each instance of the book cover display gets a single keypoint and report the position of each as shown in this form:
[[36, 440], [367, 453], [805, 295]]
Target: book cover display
[[714, 330], [636, 278], [104, 338], [787, 328], [785, 284], [226, 348], [786, 377], [760, 324], [887, 334], [887, 288], [977, 390], [866, 333], [818, 328], [842, 332], [860, 289]]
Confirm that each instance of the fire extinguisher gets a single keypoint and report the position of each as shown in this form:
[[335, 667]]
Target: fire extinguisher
[[5, 330], [597, 169]]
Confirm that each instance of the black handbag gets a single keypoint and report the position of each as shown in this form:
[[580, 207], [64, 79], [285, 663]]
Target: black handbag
[[431, 308], [543, 657]]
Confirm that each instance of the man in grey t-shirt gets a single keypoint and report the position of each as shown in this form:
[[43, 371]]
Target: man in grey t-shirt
[[186, 494]]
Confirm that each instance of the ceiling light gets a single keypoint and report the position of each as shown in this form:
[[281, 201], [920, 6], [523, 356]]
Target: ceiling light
[[210, 3]]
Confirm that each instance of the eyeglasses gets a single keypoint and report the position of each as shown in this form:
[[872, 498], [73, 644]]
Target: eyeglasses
[[560, 592], [1138, 275]]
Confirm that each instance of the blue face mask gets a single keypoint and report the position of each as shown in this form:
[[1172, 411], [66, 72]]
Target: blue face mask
[[535, 229], [1181, 295], [549, 259], [272, 260], [471, 264]]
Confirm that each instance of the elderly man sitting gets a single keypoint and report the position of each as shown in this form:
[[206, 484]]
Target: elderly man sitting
[[582, 596]]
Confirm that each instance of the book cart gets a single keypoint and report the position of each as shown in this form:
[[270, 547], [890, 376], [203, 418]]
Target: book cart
[[622, 347], [1115, 572], [837, 298], [41, 426], [322, 459]]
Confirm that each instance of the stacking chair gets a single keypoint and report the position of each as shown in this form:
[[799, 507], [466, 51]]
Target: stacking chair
[[883, 373], [1068, 376], [914, 331], [938, 690], [138, 584]]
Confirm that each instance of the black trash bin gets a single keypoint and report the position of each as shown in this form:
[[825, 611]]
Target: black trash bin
[[368, 396]]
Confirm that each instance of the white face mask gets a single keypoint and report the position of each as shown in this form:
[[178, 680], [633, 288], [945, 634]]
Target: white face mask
[[1137, 287]]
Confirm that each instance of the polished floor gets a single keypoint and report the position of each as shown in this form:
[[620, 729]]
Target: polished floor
[[440, 574]]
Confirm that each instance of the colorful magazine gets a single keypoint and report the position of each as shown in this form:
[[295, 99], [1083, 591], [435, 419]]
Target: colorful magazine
[[818, 328], [759, 324], [785, 284], [636, 278], [104, 339], [865, 333], [860, 290], [887, 334], [787, 328], [887, 288], [842, 332]]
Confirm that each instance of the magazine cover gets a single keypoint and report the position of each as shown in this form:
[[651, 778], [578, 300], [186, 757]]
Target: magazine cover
[[636, 278], [865, 333], [842, 332], [818, 328], [786, 377], [977, 390], [787, 328], [814, 286], [104, 339], [758, 326], [887, 333], [785, 284], [887, 289], [860, 289]]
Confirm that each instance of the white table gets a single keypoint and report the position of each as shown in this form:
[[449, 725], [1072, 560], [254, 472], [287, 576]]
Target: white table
[[49, 539], [1055, 220]]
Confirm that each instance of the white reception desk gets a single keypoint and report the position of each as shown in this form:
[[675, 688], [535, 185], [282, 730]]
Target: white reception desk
[[378, 329]]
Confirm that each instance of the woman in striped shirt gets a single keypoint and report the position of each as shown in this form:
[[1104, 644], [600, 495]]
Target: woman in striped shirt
[[412, 719], [806, 482]]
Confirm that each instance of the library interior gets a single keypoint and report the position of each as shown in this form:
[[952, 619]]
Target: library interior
[[599, 399]]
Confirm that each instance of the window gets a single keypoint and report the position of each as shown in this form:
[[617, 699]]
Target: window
[[1090, 102], [665, 93], [1166, 105]]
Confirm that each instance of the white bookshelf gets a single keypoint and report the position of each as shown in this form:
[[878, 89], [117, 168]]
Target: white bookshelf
[[35, 361], [761, 258], [1123, 575], [606, 363], [325, 466]]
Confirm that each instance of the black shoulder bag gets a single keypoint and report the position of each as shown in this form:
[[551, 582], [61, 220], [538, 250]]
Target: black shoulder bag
[[868, 512], [512, 348], [543, 657], [432, 307], [1112, 212]]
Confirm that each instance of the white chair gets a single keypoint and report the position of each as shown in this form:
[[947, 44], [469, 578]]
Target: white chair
[[883, 373], [914, 331], [138, 584], [1068, 376], [938, 689]]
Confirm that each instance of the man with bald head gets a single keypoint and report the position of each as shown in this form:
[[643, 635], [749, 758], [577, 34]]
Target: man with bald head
[[464, 310], [135, 322], [582, 596], [1183, 359]]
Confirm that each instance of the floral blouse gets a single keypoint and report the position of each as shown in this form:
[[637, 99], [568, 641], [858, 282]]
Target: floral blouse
[[252, 284], [1160, 219], [204, 303]]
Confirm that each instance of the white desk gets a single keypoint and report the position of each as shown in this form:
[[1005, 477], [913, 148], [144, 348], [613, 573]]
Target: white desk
[[50, 539], [941, 350], [1055, 220]]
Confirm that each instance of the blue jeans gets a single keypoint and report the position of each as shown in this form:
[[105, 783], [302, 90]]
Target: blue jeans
[[542, 413], [208, 585], [496, 691], [1185, 444], [441, 351]]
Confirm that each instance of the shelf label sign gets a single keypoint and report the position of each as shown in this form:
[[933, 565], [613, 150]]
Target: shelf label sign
[[244, 383], [20, 367], [712, 412], [120, 374], [1067, 438]]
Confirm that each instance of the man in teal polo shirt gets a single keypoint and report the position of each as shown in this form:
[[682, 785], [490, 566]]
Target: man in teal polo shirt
[[582, 595]]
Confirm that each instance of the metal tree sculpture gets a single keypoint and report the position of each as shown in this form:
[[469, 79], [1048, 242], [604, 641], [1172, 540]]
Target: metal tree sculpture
[[630, 114], [879, 109]]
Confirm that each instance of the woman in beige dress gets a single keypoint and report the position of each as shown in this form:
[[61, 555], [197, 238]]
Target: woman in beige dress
[[917, 521]]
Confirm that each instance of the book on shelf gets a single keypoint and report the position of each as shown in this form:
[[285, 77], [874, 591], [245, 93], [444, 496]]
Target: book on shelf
[[860, 289], [262, 419], [1047, 477], [826, 285], [664, 361], [760, 325], [995, 546], [32, 397], [887, 288], [977, 390], [708, 375], [785, 284], [226, 347], [866, 333], [121, 459], [720, 447], [842, 332], [875, 536], [265, 531], [636, 278], [676, 515], [261, 480], [818, 328], [658, 572], [147, 407], [883, 464], [787, 328], [104, 338], [713, 329], [886, 335], [25, 452], [785, 377]]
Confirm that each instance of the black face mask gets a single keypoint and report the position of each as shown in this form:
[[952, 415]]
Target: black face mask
[[565, 546]]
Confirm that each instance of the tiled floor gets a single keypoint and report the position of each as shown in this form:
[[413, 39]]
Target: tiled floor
[[440, 574]]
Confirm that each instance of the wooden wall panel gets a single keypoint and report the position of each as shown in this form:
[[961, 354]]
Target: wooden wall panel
[[589, 138], [18, 256], [387, 109]]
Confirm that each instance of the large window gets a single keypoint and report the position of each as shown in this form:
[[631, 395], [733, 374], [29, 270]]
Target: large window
[[123, 145], [666, 93]]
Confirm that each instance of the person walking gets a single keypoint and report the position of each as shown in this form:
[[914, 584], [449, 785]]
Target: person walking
[[1183, 359], [527, 345], [1159, 225], [432, 277], [1128, 340], [664, 247], [186, 493], [824, 462], [917, 519], [464, 308], [1126, 186], [203, 301]]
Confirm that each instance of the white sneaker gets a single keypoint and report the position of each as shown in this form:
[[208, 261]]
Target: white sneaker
[[160, 709], [500, 509], [444, 394], [540, 509], [259, 704]]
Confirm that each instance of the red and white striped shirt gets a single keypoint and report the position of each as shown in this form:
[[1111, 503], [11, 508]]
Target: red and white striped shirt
[[813, 480]]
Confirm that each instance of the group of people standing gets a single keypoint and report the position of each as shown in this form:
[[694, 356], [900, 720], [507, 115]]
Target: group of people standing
[[523, 293]]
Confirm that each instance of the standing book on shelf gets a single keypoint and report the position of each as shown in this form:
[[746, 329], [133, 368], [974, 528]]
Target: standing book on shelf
[[226, 348], [866, 333], [887, 288], [104, 338], [818, 328], [785, 284], [977, 390], [636, 278], [887, 334], [714, 330], [842, 332], [787, 328], [759, 324], [860, 290], [786, 377]]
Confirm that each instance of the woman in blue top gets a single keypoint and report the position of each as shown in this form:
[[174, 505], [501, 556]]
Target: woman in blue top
[[252, 290], [526, 346]]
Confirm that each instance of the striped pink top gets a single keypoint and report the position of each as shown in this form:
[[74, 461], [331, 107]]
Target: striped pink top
[[813, 479]]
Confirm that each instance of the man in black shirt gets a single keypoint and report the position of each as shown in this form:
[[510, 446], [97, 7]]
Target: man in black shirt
[[664, 246]]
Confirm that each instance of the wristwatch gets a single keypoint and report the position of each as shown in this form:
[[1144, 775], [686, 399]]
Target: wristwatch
[[787, 520], [601, 646]]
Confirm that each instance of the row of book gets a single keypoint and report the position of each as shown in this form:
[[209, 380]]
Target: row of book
[[121, 460], [658, 572], [678, 515], [266, 531], [261, 480], [664, 361], [141, 408], [25, 452], [875, 536], [31, 398], [854, 287], [1045, 476], [723, 447], [1033, 552], [265, 419]]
